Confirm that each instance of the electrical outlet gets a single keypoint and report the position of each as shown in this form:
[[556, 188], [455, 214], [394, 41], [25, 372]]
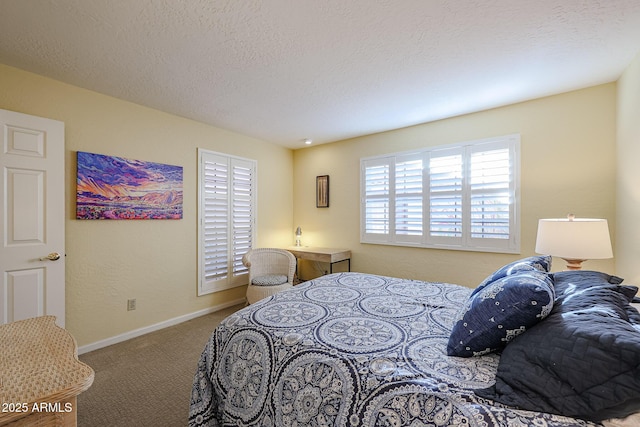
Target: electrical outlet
[[131, 304]]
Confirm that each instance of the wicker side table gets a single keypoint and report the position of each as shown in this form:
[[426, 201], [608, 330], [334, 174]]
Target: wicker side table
[[40, 374]]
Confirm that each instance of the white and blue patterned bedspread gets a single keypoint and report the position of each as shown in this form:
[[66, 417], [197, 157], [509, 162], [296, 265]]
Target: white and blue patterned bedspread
[[349, 349]]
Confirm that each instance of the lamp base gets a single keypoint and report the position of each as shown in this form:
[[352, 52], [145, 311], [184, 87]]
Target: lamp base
[[574, 264]]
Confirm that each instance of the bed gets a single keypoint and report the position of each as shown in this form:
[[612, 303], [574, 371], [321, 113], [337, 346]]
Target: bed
[[353, 349]]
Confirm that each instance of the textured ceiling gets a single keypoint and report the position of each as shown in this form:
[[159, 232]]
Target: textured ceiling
[[286, 70]]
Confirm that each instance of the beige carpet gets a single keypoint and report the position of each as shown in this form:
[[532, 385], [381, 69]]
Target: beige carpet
[[146, 381]]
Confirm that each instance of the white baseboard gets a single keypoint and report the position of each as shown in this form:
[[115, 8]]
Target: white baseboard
[[156, 327]]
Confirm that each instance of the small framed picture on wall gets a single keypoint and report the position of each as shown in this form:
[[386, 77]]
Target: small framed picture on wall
[[322, 191]]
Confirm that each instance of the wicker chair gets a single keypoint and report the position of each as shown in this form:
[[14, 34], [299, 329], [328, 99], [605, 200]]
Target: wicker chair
[[270, 271]]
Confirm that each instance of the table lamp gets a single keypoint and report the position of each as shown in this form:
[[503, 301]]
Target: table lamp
[[298, 235], [574, 239]]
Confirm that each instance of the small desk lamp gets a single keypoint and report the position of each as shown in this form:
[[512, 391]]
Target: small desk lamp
[[574, 239], [298, 235]]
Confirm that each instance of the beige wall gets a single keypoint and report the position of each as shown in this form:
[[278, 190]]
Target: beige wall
[[109, 262], [627, 248], [568, 165]]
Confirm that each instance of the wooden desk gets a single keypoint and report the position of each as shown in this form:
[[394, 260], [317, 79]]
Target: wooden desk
[[328, 255], [40, 375]]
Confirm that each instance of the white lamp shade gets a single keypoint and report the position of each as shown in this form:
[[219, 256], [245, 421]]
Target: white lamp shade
[[578, 238]]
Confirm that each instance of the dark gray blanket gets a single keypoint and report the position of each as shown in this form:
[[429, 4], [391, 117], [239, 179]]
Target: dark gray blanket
[[583, 360]]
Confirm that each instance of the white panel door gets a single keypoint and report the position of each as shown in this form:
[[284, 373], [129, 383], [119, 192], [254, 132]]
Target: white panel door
[[32, 240]]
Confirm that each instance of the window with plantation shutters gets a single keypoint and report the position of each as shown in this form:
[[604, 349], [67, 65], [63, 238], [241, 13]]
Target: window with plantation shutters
[[461, 196], [226, 211]]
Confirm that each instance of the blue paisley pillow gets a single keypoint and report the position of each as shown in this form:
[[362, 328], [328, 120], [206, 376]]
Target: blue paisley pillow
[[533, 263], [500, 311]]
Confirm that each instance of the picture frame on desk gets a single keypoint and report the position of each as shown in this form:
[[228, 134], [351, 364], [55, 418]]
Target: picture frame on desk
[[322, 191]]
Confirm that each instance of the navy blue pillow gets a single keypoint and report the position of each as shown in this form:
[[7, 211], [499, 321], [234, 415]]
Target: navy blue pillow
[[583, 360], [500, 311], [533, 263]]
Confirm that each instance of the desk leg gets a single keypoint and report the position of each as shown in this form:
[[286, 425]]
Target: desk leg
[[348, 263]]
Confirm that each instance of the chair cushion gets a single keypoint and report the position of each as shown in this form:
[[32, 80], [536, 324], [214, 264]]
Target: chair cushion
[[269, 280]]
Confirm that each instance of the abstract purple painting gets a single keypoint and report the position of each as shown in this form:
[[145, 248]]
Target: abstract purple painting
[[111, 187]]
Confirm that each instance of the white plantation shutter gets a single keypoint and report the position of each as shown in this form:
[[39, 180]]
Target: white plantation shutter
[[460, 196], [490, 192], [226, 218], [241, 213], [215, 224], [377, 188], [473, 196], [408, 197], [445, 177]]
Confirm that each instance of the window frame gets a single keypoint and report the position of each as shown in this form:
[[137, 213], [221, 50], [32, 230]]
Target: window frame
[[235, 274], [384, 196]]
